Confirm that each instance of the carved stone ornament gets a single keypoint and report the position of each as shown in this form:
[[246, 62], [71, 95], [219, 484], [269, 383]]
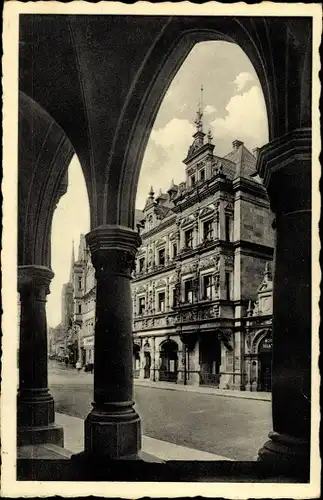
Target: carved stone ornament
[[186, 221], [160, 242], [228, 208], [108, 262], [214, 311], [113, 250], [228, 262], [206, 211], [160, 283], [191, 170], [34, 280], [206, 262], [140, 289]]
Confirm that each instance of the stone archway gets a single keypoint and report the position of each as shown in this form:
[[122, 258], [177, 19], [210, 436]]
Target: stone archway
[[168, 361], [109, 125], [262, 349]]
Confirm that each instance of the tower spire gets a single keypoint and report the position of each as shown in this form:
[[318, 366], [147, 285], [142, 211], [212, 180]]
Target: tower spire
[[72, 264], [199, 115]]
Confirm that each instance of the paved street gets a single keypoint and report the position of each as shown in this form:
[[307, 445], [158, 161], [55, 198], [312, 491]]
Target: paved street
[[222, 425]]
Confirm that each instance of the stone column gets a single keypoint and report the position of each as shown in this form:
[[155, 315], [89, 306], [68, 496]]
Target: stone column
[[112, 429], [35, 405], [285, 166]]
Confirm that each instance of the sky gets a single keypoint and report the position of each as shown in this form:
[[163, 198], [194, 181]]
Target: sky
[[233, 107]]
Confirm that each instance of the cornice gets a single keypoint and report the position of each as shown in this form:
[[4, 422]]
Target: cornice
[[254, 247], [249, 186], [154, 272], [201, 192], [163, 225]]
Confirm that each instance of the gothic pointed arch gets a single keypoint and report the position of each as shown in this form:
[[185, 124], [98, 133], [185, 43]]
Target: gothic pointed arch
[[43, 159]]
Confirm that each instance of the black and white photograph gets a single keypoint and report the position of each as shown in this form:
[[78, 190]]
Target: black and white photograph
[[160, 250]]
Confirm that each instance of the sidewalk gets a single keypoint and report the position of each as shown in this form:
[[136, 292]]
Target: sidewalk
[[162, 450], [262, 396]]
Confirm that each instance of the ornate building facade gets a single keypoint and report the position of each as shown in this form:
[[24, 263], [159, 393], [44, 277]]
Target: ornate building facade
[[205, 246]]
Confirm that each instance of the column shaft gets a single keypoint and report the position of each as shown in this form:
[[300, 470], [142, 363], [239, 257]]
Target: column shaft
[[286, 168], [35, 405], [112, 429]]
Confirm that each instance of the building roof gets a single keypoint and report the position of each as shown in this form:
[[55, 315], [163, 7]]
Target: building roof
[[245, 161]]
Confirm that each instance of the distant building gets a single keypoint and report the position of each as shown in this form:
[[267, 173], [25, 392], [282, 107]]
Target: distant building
[[60, 338], [84, 296]]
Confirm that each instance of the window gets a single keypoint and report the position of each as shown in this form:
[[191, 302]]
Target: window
[[79, 308], [161, 301], [228, 285], [161, 257], [207, 230], [202, 175], [189, 238], [174, 297], [174, 250], [188, 291], [207, 287], [141, 308], [193, 180], [227, 228], [80, 283], [141, 264]]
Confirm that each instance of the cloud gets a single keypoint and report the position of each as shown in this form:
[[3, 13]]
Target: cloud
[[209, 109], [246, 120], [163, 160], [176, 133], [242, 79]]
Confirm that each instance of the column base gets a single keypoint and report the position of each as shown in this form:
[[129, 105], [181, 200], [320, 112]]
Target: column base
[[286, 451], [35, 419], [35, 410], [112, 436], [30, 435]]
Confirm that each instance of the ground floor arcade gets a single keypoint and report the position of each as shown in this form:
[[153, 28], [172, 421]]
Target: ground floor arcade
[[210, 360]]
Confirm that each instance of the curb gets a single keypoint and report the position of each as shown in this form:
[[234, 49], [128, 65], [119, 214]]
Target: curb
[[178, 388]]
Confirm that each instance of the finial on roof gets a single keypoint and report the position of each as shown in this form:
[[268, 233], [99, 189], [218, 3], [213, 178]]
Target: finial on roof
[[209, 136], [199, 115], [267, 271], [249, 310], [151, 192], [172, 186]]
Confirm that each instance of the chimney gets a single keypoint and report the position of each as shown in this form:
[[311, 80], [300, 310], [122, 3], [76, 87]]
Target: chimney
[[236, 144]]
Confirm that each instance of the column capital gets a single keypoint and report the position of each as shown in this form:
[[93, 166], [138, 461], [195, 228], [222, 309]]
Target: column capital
[[113, 248], [284, 165], [36, 277]]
